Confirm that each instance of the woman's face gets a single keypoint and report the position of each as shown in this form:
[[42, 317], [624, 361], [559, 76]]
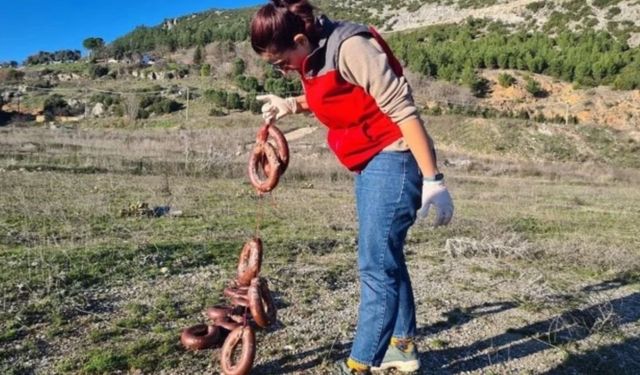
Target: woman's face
[[291, 59]]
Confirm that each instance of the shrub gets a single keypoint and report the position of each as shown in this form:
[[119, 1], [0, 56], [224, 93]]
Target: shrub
[[56, 105], [159, 105], [217, 112], [218, 97], [251, 104], [536, 6], [613, 11], [234, 101], [506, 80], [198, 57], [238, 67], [142, 113], [97, 71], [104, 98], [534, 88], [480, 87], [247, 83], [11, 76], [205, 70]]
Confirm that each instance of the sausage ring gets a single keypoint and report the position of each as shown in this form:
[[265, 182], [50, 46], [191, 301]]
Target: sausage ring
[[235, 292], [282, 147], [247, 354], [250, 261], [240, 301], [272, 158], [227, 324], [200, 337], [261, 304], [264, 155], [216, 313]]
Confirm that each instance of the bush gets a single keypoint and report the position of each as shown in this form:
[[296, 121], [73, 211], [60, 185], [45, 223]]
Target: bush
[[56, 105], [247, 83], [142, 113], [534, 88], [205, 70], [238, 66], [218, 97], [234, 101], [97, 71], [10, 76], [159, 105], [198, 56], [118, 110], [104, 98], [217, 112], [536, 6], [629, 78], [506, 80], [480, 87], [251, 104]]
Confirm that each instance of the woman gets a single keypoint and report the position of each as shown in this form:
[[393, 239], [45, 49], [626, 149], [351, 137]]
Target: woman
[[354, 85]]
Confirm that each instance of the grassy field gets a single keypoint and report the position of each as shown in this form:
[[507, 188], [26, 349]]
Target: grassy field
[[538, 273]]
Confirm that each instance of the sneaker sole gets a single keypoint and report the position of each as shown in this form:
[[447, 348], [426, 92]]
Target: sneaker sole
[[402, 366]]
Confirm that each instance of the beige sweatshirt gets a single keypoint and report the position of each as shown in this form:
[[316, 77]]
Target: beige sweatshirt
[[362, 62]]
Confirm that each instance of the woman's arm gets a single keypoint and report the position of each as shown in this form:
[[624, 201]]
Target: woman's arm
[[364, 63], [420, 144], [301, 102]]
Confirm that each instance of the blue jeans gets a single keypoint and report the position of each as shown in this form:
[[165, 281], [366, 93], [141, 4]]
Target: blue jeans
[[388, 194]]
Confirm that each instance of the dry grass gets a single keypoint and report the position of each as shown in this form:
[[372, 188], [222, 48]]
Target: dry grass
[[541, 249]]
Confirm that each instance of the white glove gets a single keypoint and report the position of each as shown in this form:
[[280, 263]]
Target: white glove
[[276, 107], [435, 193]]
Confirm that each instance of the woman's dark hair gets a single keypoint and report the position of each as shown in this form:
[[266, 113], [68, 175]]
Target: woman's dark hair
[[275, 24]]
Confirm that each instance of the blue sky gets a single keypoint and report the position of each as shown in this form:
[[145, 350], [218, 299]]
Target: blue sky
[[29, 26]]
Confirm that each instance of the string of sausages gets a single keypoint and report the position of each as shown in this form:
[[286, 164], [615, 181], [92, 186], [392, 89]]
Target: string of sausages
[[250, 302]]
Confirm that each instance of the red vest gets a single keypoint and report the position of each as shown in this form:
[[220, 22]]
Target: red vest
[[358, 129]]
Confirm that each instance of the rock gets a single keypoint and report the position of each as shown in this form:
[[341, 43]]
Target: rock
[[28, 147], [64, 77], [97, 110]]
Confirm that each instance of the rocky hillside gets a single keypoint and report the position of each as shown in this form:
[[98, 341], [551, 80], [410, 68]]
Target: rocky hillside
[[621, 17]]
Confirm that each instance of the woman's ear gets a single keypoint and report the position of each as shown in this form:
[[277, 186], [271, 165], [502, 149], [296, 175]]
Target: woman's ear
[[301, 40]]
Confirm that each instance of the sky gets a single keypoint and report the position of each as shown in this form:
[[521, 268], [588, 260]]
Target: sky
[[30, 26]]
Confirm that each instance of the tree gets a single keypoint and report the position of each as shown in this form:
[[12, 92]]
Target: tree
[[251, 104], [9, 64], [234, 101], [534, 88], [198, 56], [93, 44]]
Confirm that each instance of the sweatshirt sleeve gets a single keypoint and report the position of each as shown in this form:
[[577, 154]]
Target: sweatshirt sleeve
[[362, 62]]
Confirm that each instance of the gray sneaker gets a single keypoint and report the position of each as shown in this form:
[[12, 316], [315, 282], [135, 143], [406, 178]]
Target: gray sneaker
[[402, 360]]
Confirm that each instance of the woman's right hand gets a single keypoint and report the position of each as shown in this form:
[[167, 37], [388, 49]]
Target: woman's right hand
[[275, 107], [436, 194]]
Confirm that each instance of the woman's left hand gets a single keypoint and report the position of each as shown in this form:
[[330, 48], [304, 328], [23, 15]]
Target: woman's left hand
[[435, 193]]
